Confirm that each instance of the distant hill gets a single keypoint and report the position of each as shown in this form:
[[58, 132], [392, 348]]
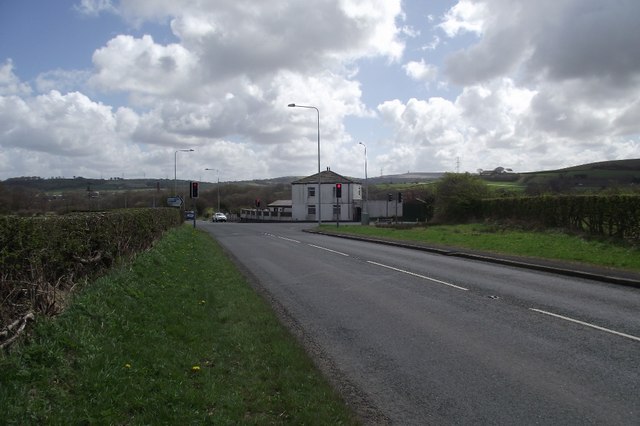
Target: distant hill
[[632, 165], [405, 178], [600, 175]]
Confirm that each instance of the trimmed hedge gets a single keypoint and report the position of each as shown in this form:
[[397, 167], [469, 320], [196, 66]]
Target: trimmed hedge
[[615, 216], [43, 254]]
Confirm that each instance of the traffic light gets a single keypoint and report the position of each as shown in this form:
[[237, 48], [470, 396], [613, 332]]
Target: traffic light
[[194, 190], [338, 190], [389, 197], [399, 197]]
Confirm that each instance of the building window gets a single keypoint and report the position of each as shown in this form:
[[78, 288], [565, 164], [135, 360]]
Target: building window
[[311, 210], [311, 192]]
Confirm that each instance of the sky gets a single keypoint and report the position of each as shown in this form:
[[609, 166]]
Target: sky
[[124, 88]]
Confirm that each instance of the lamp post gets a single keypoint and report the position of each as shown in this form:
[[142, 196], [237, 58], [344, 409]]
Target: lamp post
[[366, 187], [175, 168], [217, 186], [319, 178]]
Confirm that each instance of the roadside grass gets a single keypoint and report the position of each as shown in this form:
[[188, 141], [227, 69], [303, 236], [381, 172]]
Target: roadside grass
[[177, 336], [551, 244]]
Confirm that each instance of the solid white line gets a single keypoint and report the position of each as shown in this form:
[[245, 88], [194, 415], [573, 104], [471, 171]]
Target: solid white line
[[289, 239], [417, 275], [597, 327], [326, 249]]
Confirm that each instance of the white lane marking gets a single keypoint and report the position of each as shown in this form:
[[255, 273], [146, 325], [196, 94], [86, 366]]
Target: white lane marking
[[418, 275], [327, 249], [597, 327], [289, 239]]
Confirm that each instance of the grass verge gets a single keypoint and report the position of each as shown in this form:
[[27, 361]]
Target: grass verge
[[547, 245], [176, 337]]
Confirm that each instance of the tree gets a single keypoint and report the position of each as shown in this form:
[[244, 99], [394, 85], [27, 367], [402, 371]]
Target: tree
[[458, 197]]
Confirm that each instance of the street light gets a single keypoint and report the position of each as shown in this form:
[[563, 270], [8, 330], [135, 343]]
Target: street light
[[319, 179], [366, 186], [218, 186], [175, 168]]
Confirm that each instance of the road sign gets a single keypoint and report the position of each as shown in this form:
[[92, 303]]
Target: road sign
[[174, 201]]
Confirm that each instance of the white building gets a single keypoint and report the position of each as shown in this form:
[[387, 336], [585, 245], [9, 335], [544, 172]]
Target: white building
[[304, 198]]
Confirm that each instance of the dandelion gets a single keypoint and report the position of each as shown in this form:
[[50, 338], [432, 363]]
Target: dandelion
[[127, 365], [195, 368]]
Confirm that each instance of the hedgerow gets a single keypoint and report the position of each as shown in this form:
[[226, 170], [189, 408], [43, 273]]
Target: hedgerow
[[42, 257], [612, 216]]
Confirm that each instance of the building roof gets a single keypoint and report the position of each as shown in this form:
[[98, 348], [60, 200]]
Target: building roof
[[281, 203], [326, 176]]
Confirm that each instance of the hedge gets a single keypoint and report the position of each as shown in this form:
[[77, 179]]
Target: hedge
[[615, 216], [42, 255]]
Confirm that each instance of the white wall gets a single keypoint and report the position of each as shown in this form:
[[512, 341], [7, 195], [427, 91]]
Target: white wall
[[300, 201]]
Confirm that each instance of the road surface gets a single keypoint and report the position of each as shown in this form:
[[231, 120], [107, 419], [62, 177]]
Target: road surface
[[431, 339]]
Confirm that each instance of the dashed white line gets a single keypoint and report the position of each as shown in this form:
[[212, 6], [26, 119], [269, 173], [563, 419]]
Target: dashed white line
[[417, 275], [328, 249], [289, 239], [597, 327]]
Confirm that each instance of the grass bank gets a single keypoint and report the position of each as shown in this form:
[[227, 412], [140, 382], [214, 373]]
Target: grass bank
[[544, 244], [176, 337]]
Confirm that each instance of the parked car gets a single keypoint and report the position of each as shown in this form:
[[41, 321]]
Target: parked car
[[219, 217]]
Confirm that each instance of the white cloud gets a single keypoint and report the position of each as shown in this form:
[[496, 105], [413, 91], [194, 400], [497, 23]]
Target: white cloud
[[489, 125], [142, 67], [10, 84], [421, 71], [465, 16], [95, 7]]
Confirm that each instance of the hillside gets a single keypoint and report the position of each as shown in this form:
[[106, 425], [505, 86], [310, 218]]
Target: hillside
[[592, 176]]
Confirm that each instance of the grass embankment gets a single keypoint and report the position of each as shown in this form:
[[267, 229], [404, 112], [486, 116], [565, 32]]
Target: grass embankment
[[177, 337], [547, 244]]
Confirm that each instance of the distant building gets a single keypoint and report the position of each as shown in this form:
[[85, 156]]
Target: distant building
[[303, 205], [304, 198]]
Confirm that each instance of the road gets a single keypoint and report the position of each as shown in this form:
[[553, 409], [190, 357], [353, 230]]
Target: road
[[431, 339]]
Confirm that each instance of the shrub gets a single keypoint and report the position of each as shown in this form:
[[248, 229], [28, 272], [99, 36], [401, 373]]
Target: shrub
[[458, 197], [43, 256]]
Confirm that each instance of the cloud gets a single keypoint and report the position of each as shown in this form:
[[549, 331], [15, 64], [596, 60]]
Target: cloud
[[10, 84], [421, 71], [467, 16], [95, 7], [499, 123]]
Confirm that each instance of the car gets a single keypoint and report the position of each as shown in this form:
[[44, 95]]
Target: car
[[219, 217]]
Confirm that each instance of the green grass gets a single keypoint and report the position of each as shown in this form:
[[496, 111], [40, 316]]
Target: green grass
[[176, 337], [548, 245]]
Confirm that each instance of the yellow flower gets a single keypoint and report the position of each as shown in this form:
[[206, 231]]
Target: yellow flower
[[127, 365], [195, 368]]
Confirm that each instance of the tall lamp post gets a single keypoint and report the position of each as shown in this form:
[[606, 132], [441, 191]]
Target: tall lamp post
[[175, 168], [217, 186], [319, 178], [366, 187]]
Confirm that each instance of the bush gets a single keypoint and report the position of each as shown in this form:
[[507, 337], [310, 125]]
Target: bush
[[614, 216], [458, 198], [43, 256]]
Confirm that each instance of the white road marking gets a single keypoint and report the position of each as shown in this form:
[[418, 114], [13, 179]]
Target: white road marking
[[289, 239], [418, 275], [597, 327], [327, 249]]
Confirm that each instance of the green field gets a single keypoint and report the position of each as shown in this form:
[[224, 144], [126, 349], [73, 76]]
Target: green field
[[551, 244], [176, 337]]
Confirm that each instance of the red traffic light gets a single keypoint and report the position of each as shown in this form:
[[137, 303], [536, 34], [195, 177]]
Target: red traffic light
[[338, 190], [194, 190]]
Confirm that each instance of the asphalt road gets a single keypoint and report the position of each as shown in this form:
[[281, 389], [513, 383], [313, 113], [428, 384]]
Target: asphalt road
[[431, 339]]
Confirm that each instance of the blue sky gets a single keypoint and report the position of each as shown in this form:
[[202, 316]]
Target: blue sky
[[102, 88]]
